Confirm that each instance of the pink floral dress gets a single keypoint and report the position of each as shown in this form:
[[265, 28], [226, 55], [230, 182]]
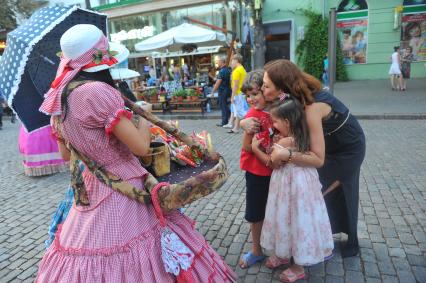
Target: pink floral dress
[[296, 221], [116, 239]]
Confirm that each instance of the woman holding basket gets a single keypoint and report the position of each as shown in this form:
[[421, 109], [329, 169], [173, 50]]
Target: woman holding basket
[[108, 237]]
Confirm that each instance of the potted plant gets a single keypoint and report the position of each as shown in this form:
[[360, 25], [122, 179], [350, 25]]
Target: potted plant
[[180, 94], [153, 96], [192, 94]]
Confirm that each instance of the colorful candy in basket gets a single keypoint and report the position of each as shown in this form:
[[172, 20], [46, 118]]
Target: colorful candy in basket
[[180, 152]]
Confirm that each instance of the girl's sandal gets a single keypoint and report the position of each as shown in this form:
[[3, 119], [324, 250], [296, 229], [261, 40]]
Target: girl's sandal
[[274, 262], [289, 276]]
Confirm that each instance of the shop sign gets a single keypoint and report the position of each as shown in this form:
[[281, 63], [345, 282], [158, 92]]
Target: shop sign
[[147, 31]]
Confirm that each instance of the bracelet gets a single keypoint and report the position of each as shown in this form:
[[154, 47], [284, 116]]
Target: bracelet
[[290, 155]]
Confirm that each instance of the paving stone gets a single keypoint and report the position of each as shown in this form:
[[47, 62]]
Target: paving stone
[[354, 277], [352, 263], [334, 268], [372, 280], [406, 276], [390, 279], [416, 260], [333, 279], [398, 252], [371, 270], [419, 273], [386, 268]]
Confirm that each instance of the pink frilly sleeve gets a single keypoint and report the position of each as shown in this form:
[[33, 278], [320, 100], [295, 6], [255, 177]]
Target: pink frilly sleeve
[[101, 106]]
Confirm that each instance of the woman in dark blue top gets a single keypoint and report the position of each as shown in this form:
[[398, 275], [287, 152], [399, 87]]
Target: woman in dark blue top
[[337, 144]]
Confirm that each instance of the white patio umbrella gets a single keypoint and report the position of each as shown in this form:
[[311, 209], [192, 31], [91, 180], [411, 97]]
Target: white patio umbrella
[[123, 73], [174, 38]]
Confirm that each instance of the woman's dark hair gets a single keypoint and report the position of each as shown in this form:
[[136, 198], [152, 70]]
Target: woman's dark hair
[[287, 77], [292, 110], [124, 88], [395, 48], [408, 28], [101, 76]]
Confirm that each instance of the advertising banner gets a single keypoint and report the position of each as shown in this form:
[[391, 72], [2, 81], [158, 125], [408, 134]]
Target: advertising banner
[[413, 34], [353, 36]]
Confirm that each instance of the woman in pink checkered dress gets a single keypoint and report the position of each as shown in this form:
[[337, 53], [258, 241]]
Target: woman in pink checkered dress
[[114, 238]]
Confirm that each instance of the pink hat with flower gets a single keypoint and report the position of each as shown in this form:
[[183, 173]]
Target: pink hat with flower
[[84, 48]]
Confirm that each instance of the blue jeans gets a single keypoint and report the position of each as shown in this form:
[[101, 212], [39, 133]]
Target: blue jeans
[[224, 107]]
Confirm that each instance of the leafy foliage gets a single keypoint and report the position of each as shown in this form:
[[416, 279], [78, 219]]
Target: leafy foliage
[[313, 48], [12, 10]]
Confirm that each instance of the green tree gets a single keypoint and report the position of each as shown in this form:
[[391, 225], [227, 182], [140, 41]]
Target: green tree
[[259, 47], [312, 49], [11, 10]]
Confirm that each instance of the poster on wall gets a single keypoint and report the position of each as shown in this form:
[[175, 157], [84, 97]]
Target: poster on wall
[[413, 35], [353, 36]]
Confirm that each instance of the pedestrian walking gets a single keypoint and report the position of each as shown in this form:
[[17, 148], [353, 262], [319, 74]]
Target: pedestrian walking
[[239, 104], [395, 70], [106, 235], [296, 222], [40, 152], [223, 86], [257, 173], [337, 144], [406, 59]]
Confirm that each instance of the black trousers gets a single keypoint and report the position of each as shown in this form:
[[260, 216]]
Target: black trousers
[[225, 108]]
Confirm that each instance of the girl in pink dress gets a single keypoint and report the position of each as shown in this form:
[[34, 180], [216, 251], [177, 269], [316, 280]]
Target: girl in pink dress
[[40, 152], [296, 221], [111, 238]]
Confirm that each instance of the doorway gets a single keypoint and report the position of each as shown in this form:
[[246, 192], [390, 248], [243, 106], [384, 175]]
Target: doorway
[[277, 40]]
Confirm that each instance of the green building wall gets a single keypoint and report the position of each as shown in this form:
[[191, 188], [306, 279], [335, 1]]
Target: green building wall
[[381, 35]]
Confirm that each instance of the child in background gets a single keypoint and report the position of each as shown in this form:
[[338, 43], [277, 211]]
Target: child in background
[[296, 221], [257, 173]]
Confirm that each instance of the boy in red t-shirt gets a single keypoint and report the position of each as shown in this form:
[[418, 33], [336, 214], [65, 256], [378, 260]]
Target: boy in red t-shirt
[[257, 173]]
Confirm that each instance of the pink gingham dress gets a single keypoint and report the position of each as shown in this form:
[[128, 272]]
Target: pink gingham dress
[[116, 239]]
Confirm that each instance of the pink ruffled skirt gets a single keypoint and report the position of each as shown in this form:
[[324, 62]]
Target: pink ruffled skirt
[[40, 152], [118, 240]]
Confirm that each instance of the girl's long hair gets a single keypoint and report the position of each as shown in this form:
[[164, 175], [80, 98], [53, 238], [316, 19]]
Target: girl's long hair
[[290, 109], [101, 76], [287, 77]]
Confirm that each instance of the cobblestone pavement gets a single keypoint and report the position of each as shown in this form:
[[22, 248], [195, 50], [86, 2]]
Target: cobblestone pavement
[[392, 219]]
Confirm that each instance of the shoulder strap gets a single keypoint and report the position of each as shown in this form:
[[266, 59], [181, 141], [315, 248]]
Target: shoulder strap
[[105, 177]]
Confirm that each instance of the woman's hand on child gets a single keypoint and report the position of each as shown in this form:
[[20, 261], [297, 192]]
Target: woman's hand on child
[[255, 142], [250, 125]]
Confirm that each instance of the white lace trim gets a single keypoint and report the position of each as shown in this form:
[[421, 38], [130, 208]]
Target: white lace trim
[[175, 254], [29, 48]]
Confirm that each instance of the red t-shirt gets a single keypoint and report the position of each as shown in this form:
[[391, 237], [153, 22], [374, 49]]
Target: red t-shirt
[[249, 161]]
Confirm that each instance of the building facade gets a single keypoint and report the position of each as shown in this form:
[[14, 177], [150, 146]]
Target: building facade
[[368, 30]]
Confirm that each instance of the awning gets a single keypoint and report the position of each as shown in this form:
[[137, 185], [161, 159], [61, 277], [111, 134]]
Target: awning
[[199, 51], [174, 38]]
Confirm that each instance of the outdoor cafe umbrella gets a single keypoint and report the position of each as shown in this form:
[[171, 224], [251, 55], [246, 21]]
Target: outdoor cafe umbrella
[[29, 63], [174, 38]]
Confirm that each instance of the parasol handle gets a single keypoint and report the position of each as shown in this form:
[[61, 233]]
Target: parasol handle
[[181, 136]]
